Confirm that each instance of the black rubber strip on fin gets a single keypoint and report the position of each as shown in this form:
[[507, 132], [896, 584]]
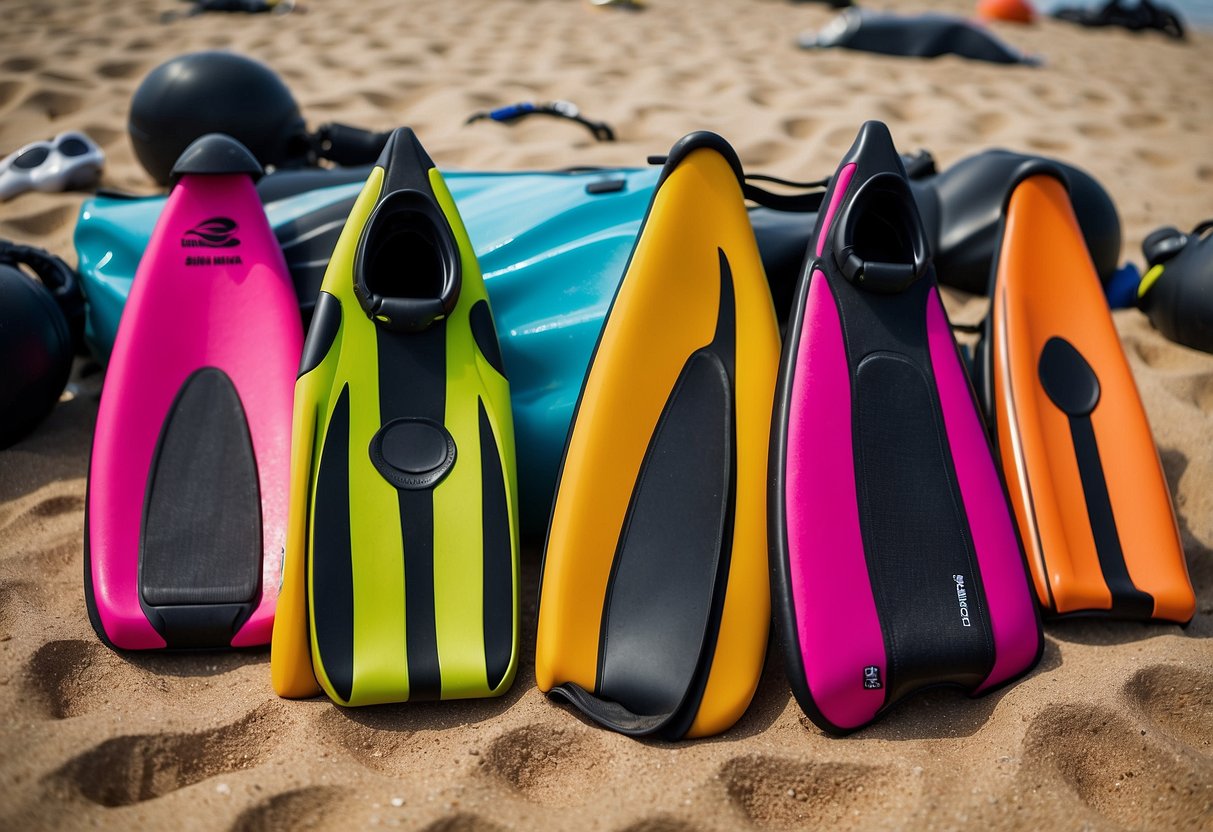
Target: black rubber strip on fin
[[1071, 384], [326, 322], [332, 563], [610, 714], [666, 590], [485, 334], [498, 570], [200, 570]]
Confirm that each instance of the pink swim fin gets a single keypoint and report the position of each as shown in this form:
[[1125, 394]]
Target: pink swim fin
[[896, 565], [186, 510]]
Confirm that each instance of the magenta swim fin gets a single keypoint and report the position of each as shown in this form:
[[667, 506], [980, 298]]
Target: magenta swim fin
[[895, 560], [187, 490]]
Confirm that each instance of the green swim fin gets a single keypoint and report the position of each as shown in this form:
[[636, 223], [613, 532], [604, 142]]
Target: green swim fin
[[401, 574]]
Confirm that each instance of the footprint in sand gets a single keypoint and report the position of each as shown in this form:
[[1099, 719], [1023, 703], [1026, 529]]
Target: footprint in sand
[[1179, 700], [323, 104], [53, 103], [799, 128], [659, 823], [405, 60], [483, 99], [1092, 96], [59, 504], [1141, 120], [102, 135], [72, 677], [463, 822], [832, 68], [545, 764], [761, 153], [988, 123], [1047, 145], [41, 508], [20, 63], [306, 808], [1041, 92], [760, 95], [1155, 158], [892, 111], [779, 793], [119, 69], [18, 601], [126, 770], [1095, 130], [381, 100], [838, 139], [1202, 393], [74, 81], [56, 519], [378, 745], [1116, 767], [1159, 354], [9, 90]]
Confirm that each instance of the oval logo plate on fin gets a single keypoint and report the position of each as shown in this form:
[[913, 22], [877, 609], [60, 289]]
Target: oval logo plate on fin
[[413, 454]]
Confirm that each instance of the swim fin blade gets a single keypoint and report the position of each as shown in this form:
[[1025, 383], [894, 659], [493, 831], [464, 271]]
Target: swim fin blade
[[895, 560], [401, 573], [1083, 472], [654, 604], [186, 512]]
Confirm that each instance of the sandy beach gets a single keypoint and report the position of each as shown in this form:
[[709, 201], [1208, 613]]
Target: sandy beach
[[1114, 728]]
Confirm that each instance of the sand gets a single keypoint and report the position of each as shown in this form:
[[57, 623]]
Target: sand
[[1114, 729]]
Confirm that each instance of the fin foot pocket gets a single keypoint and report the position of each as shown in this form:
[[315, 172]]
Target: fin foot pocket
[[407, 269], [879, 241]]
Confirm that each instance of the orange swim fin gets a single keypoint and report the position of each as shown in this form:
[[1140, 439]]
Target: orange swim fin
[[1081, 466]]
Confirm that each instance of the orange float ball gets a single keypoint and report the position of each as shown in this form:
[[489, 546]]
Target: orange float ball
[[1007, 11]]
